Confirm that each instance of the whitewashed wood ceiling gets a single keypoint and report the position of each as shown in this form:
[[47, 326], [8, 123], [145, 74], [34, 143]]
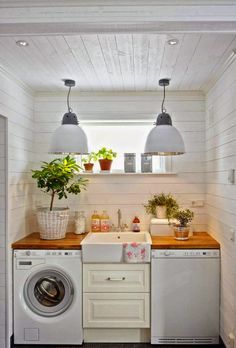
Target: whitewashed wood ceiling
[[121, 62]]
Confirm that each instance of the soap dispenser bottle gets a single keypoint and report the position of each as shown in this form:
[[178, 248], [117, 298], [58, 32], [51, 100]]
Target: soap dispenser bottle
[[136, 224]]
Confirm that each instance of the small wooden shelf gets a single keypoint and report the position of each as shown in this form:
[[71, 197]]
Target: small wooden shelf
[[123, 173]]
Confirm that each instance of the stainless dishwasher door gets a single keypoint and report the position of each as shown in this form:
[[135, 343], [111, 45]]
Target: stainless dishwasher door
[[185, 297]]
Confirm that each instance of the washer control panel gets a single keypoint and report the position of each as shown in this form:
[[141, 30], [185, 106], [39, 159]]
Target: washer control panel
[[47, 253]]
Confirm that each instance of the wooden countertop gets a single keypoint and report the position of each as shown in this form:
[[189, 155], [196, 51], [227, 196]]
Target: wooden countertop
[[199, 240], [33, 241]]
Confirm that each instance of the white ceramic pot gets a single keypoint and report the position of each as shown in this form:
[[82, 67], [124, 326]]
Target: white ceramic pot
[[181, 233], [161, 211], [52, 224]]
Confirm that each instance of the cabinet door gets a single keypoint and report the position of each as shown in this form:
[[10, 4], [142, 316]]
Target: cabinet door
[[116, 278], [116, 310]]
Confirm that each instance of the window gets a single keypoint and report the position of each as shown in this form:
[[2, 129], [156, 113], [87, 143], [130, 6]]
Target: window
[[122, 139]]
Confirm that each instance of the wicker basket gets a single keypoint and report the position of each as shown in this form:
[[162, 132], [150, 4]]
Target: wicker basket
[[53, 224]]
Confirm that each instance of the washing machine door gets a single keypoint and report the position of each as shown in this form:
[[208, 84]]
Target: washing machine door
[[48, 292]]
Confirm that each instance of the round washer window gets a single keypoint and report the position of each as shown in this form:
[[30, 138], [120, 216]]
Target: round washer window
[[48, 292]]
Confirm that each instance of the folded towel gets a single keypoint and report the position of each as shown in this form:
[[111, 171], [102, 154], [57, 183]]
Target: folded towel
[[136, 252]]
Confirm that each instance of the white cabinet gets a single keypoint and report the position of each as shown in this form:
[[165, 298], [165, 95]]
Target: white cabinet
[[116, 278], [110, 310], [116, 295]]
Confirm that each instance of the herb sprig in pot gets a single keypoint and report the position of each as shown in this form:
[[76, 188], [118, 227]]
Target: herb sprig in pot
[[106, 157], [182, 227], [89, 161]]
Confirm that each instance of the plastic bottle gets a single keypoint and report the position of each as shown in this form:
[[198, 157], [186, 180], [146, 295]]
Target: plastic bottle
[[80, 223], [136, 224], [105, 222], [95, 222]]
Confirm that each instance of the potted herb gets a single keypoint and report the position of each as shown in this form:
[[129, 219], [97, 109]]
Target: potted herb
[[89, 160], [106, 157], [162, 206], [57, 178], [182, 227]]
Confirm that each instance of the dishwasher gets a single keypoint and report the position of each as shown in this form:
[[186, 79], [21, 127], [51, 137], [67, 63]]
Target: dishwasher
[[185, 296]]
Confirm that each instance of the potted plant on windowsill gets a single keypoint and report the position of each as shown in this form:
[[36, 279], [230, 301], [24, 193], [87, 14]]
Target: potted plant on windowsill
[[182, 227], [105, 157], [89, 161], [57, 178], [162, 206]]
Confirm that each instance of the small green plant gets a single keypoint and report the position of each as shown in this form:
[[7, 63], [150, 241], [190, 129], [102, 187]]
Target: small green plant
[[184, 216], [105, 153], [90, 158], [162, 200], [58, 177]]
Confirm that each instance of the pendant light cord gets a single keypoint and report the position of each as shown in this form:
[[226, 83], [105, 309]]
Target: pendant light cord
[[164, 97], [68, 103]]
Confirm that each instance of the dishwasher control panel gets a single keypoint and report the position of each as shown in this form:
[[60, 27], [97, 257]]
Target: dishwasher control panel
[[188, 253]]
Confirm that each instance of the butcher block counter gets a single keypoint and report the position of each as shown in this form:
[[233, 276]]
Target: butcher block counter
[[199, 240]]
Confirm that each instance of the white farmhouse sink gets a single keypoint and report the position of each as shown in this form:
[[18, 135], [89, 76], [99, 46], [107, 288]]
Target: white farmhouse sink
[[108, 246]]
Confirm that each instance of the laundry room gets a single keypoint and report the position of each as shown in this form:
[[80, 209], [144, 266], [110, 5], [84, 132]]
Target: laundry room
[[117, 176]]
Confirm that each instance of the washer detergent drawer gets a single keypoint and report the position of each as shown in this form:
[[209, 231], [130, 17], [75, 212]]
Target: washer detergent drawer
[[116, 310], [116, 278]]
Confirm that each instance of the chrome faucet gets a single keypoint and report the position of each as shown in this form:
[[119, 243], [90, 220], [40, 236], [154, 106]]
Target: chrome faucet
[[119, 220]]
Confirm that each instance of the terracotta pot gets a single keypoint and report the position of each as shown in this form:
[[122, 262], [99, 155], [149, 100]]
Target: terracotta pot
[[181, 232], [161, 211], [88, 167], [105, 164]]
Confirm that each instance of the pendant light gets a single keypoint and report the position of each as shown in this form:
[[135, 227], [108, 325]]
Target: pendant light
[[164, 139], [69, 137]]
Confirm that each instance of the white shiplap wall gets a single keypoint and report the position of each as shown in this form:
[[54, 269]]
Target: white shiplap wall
[[2, 229], [130, 192], [221, 195], [16, 104]]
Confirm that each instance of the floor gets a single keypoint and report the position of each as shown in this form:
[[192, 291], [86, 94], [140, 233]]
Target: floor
[[120, 345]]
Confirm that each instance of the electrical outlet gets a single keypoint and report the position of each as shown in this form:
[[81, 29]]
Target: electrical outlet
[[231, 339], [231, 176], [198, 203], [232, 235]]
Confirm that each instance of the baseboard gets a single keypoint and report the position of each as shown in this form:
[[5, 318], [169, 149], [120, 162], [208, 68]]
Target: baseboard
[[117, 335]]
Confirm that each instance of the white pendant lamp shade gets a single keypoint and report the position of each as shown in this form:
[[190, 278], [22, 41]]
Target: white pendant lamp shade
[[164, 139], [69, 137]]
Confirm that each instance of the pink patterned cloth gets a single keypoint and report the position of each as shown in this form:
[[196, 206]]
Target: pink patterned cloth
[[136, 252]]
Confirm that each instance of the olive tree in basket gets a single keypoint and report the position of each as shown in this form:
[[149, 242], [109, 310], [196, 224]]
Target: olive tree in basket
[[57, 179]]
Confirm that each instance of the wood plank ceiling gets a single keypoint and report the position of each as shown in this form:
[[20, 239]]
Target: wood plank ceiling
[[121, 62]]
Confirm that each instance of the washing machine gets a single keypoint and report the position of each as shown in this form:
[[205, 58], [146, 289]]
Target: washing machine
[[47, 297]]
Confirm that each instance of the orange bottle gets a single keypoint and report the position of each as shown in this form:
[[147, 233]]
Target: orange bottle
[[105, 222], [95, 222]]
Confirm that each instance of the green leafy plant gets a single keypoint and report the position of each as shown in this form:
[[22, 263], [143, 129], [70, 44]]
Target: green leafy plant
[[162, 200], [58, 177], [184, 216], [105, 153], [90, 158]]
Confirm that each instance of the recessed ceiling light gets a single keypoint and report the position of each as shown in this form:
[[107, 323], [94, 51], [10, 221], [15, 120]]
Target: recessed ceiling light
[[173, 42], [22, 43]]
